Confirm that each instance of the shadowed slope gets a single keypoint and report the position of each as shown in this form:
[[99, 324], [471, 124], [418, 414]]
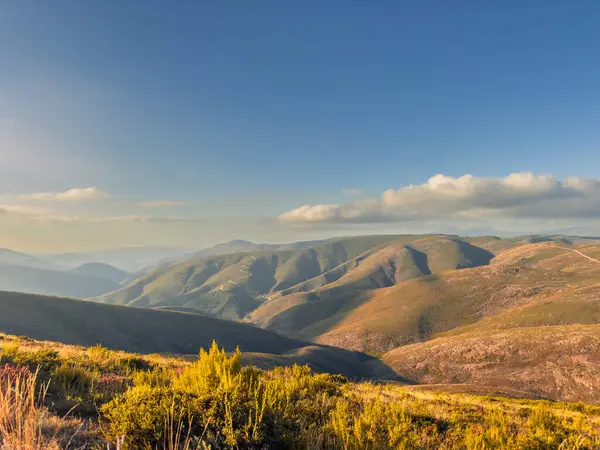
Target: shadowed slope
[[149, 331]]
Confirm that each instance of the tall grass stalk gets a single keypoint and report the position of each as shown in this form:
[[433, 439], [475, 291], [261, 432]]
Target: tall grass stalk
[[20, 413]]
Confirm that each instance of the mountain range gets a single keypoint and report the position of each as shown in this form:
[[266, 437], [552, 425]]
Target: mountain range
[[511, 313]]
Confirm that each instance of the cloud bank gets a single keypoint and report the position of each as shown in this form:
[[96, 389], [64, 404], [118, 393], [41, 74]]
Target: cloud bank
[[519, 195], [74, 194]]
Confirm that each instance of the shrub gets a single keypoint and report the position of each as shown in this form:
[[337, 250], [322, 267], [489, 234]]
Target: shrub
[[214, 371], [99, 354], [139, 418], [72, 382], [232, 406], [159, 376]]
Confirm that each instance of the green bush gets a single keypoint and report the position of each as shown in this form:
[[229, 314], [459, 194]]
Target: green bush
[[139, 418]]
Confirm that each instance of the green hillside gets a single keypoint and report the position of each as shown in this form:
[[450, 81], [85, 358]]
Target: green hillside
[[307, 312], [234, 285], [230, 286]]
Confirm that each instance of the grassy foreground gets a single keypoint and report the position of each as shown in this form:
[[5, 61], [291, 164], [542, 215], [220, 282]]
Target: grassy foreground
[[54, 397]]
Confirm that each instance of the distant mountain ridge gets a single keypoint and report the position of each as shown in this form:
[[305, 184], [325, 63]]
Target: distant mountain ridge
[[101, 270], [52, 282], [12, 257], [129, 259]]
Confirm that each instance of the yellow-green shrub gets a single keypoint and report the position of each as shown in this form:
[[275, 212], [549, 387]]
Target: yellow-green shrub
[[157, 377], [140, 417]]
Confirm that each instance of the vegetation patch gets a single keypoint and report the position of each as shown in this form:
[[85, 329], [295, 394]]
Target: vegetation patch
[[215, 402]]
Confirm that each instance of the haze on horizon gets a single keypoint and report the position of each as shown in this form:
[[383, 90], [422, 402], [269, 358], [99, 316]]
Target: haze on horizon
[[184, 126]]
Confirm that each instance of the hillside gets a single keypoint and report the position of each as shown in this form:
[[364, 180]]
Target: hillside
[[52, 282], [530, 285], [103, 271], [309, 309], [148, 331], [368, 293], [556, 362], [235, 285], [230, 286]]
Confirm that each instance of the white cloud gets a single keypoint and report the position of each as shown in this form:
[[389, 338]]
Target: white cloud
[[74, 194], [163, 204], [522, 195]]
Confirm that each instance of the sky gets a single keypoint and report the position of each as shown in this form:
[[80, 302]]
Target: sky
[[191, 123]]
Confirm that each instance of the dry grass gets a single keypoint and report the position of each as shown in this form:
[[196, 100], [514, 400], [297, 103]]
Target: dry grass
[[21, 414]]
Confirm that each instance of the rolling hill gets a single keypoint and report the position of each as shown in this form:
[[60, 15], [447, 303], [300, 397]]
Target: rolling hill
[[230, 286], [235, 286], [52, 282], [148, 331], [101, 270], [531, 285]]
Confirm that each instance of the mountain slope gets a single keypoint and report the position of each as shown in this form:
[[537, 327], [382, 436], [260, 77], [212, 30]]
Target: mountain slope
[[101, 270], [306, 313], [52, 282], [230, 286], [13, 258], [557, 362], [149, 331], [532, 285]]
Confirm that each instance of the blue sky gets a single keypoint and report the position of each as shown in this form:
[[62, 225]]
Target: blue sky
[[248, 110]]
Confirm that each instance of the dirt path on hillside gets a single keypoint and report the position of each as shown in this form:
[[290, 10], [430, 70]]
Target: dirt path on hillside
[[585, 256]]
